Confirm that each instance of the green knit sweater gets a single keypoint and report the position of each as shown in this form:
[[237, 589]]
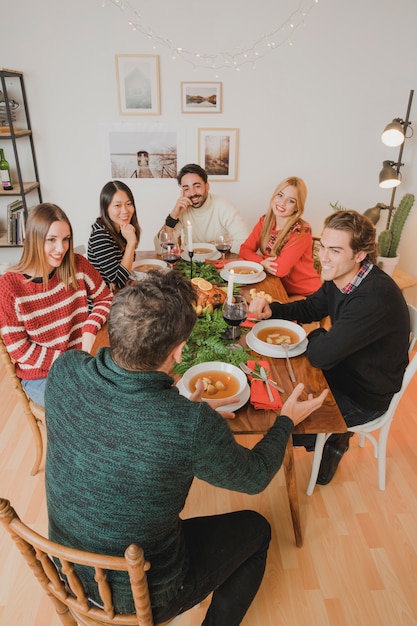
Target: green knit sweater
[[123, 449]]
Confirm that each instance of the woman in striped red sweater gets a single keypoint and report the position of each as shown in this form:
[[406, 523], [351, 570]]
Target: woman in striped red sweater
[[53, 300]]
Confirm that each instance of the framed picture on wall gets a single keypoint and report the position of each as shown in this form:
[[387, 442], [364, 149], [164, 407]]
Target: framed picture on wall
[[142, 152], [138, 84], [203, 97], [218, 152]]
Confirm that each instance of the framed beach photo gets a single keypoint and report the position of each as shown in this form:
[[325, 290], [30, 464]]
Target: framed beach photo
[[218, 152], [203, 97], [138, 84]]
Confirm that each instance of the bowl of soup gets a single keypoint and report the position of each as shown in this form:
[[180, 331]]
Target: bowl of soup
[[221, 381], [244, 271], [204, 251], [273, 333], [143, 266]]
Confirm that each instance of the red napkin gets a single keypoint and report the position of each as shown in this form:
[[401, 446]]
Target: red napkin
[[248, 324], [218, 264], [258, 393]]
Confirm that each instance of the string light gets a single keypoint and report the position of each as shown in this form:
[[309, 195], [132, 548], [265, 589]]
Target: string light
[[251, 54]]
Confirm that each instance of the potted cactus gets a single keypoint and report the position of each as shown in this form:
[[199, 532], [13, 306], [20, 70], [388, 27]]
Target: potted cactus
[[389, 239]]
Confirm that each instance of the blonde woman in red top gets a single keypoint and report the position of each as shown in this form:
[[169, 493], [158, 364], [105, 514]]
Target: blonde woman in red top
[[282, 241]]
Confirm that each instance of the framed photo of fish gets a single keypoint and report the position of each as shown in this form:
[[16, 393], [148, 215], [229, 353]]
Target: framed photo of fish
[[203, 97]]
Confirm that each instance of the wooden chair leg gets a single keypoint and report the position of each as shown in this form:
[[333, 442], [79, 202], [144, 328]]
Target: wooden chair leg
[[37, 435]]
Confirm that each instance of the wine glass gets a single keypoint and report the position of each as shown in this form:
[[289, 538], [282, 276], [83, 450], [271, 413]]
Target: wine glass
[[234, 313], [167, 238], [171, 253], [223, 243]]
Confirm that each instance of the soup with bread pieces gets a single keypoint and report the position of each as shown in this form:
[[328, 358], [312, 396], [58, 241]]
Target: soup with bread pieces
[[203, 251], [245, 270], [275, 336], [147, 267], [217, 385]]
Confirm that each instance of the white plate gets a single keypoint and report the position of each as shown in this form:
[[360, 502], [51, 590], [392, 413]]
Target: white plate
[[274, 323], [243, 279], [213, 257], [256, 268], [277, 352], [156, 263], [244, 397]]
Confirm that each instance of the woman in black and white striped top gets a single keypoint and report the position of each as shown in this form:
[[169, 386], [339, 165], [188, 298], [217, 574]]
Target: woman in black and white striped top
[[115, 234]]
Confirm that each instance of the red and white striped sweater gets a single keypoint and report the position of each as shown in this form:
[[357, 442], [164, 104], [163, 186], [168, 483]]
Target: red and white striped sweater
[[37, 325]]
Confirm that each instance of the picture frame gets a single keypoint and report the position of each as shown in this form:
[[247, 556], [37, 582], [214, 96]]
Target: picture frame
[[218, 153], [138, 83], [201, 97], [143, 153]]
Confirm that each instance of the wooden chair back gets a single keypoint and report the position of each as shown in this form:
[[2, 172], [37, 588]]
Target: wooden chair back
[[35, 414], [70, 600]]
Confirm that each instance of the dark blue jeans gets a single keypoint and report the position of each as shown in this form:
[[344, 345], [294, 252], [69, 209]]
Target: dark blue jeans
[[353, 415], [227, 555]]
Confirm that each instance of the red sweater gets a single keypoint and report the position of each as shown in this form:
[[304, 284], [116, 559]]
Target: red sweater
[[295, 262], [37, 325]]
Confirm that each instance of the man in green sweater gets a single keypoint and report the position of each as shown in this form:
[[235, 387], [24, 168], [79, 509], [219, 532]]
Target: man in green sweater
[[124, 447]]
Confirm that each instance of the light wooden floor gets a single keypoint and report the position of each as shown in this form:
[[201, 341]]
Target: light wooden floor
[[358, 566]]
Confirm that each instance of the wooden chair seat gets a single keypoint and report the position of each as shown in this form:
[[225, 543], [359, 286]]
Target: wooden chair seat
[[35, 414], [70, 599]]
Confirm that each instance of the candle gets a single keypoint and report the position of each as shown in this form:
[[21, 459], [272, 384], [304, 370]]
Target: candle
[[189, 237], [230, 286]]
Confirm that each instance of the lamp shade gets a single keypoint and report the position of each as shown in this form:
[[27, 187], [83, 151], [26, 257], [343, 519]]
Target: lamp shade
[[393, 134], [374, 213], [388, 176]]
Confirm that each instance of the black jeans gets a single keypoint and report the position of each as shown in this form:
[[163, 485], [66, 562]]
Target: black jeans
[[227, 555], [353, 415]]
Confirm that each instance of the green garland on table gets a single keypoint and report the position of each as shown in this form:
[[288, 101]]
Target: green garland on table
[[202, 270], [205, 344]]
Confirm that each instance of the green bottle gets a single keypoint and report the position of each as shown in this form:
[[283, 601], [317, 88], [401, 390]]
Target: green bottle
[[6, 178]]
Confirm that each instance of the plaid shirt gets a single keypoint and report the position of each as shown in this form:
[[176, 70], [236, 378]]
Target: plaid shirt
[[363, 272]]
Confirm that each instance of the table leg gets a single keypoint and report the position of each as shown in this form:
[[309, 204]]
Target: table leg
[[291, 482]]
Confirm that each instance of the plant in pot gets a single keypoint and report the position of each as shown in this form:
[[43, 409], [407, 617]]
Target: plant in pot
[[389, 238]]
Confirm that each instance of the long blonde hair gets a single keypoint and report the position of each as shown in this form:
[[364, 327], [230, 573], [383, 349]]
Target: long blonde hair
[[269, 221], [33, 260]]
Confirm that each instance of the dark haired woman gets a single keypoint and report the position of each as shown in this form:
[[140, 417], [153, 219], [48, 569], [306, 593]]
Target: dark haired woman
[[115, 234]]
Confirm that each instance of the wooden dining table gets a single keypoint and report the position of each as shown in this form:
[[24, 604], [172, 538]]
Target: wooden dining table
[[326, 419], [251, 421]]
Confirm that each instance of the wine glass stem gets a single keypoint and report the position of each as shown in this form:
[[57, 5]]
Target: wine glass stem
[[234, 333]]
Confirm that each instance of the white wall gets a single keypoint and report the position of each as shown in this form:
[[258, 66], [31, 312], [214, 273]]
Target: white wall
[[315, 109]]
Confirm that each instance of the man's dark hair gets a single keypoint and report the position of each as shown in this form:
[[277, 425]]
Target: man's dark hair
[[362, 231], [149, 319], [192, 168]]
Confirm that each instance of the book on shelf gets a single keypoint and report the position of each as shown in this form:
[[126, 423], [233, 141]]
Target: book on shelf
[[16, 223]]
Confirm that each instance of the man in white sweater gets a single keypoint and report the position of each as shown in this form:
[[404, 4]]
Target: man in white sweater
[[208, 214]]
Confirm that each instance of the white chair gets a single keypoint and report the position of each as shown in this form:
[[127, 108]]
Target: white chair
[[382, 423]]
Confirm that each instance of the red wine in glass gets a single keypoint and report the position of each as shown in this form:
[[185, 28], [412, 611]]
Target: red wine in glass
[[171, 254], [223, 244], [224, 248], [234, 313]]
